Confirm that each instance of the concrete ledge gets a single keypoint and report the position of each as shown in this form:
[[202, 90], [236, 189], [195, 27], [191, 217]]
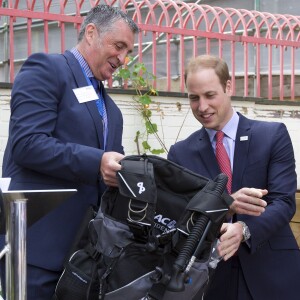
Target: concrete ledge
[[295, 223], [5, 85]]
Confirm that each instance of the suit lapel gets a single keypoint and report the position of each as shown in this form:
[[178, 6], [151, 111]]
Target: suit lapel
[[241, 152], [91, 105], [207, 155]]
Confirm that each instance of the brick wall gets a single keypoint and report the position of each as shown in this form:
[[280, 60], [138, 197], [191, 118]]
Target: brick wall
[[175, 124], [175, 120]]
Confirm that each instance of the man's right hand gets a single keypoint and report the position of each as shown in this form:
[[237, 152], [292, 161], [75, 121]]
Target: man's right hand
[[109, 167]]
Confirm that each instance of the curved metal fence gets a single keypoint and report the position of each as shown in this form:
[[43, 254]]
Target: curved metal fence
[[262, 49]]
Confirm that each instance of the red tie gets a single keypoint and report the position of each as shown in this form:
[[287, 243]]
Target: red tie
[[223, 159]]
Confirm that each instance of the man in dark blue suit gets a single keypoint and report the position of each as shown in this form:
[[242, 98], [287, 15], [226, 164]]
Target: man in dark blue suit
[[261, 259], [64, 133]]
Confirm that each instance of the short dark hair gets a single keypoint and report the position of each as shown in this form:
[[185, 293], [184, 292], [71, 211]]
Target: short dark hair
[[104, 16], [209, 62]]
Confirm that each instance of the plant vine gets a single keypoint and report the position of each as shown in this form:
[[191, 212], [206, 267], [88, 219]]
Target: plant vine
[[141, 81]]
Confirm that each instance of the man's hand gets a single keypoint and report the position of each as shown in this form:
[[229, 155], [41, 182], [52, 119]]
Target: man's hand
[[109, 167], [248, 201], [230, 240]]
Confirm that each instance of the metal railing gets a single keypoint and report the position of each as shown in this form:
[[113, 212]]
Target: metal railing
[[18, 217], [262, 49]]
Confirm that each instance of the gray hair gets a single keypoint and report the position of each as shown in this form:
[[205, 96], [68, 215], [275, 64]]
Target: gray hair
[[104, 16]]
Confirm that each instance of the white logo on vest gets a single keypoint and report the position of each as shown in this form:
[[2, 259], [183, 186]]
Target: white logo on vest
[[141, 187]]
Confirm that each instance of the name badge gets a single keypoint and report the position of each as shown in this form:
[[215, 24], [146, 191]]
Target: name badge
[[85, 94], [243, 138]]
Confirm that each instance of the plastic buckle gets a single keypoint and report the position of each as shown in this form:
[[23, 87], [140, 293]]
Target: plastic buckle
[[139, 229], [166, 237]]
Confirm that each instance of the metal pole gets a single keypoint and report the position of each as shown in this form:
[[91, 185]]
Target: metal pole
[[6, 46], [16, 258]]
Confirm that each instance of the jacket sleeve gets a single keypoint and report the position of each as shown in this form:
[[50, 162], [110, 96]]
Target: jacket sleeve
[[279, 178]]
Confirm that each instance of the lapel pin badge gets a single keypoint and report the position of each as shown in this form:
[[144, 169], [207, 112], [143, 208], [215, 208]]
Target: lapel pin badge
[[244, 138]]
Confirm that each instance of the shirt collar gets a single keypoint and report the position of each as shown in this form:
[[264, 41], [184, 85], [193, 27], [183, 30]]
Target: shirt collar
[[230, 129], [84, 65]]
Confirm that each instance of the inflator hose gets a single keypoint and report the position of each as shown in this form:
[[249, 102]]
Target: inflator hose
[[178, 278]]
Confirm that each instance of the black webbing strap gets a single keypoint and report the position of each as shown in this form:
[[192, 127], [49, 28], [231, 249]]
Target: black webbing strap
[[137, 183], [156, 292], [92, 251]]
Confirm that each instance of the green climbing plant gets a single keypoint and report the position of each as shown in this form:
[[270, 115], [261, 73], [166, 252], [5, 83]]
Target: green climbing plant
[[137, 76]]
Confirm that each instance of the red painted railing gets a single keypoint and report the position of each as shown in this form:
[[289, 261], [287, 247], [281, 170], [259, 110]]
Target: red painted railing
[[262, 49]]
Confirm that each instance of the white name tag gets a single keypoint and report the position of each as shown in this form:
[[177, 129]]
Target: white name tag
[[243, 138], [85, 94]]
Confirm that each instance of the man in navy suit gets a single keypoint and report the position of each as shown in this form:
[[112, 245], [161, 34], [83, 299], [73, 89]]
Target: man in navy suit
[[64, 133], [261, 259]]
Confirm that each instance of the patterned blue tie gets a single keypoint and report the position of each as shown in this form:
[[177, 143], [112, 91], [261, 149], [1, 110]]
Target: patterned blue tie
[[101, 106]]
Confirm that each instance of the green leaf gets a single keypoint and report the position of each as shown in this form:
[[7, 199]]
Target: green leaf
[[145, 99], [151, 127], [157, 151], [138, 67], [124, 73], [147, 113], [142, 81], [145, 145]]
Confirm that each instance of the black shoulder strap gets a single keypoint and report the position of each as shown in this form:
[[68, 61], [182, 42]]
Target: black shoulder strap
[[136, 181]]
